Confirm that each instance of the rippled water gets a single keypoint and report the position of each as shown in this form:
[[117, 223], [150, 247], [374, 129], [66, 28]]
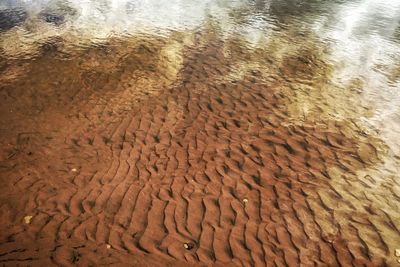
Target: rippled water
[[356, 42], [335, 64]]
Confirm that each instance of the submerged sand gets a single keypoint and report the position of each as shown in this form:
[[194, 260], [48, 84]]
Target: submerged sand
[[190, 150]]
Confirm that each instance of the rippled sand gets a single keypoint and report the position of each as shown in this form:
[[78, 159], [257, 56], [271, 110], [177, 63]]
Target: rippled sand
[[217, 133]]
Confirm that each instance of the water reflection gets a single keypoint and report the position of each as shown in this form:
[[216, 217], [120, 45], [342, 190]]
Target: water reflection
[[325, 70]]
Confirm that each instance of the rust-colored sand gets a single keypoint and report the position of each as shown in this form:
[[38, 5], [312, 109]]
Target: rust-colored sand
[[205, 170]]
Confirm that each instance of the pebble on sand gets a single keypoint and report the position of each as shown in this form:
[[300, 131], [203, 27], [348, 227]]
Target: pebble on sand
[[188, 246], [245, 200], [27, 219], [108, 246], [74, 170], [397, 252]]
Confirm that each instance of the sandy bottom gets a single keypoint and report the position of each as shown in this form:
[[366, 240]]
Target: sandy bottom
[[204, 171]]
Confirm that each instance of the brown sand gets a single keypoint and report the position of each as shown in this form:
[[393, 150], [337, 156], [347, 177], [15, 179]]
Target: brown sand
[[203, 171]]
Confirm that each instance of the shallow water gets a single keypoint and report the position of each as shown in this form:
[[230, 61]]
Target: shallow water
[[304, 92]]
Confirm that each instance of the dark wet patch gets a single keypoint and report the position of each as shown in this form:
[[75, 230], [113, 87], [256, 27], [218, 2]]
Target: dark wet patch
[[10, 18]]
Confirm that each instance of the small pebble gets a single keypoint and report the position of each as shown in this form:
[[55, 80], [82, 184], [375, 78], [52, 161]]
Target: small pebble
[[397, 252], [74, 170], [27, 219], [245, 200], [108, 246], [188, 246]]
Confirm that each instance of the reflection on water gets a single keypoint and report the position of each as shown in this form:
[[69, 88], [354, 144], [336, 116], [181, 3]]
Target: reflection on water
[[331, 66]]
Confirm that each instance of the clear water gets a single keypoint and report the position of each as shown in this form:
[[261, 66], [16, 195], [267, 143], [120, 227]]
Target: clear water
[[336, 63]]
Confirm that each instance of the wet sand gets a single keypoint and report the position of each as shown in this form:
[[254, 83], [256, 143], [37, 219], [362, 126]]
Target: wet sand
[[174, 152]]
